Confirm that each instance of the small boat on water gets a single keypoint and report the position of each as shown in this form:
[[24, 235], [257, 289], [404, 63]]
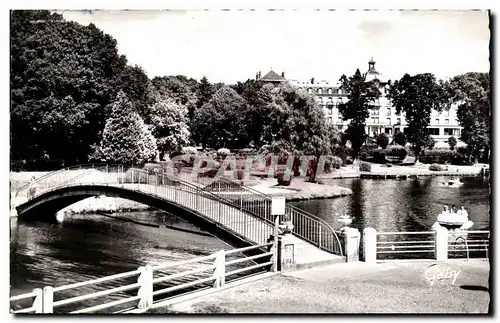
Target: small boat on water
[[454, 221], [453, 182]]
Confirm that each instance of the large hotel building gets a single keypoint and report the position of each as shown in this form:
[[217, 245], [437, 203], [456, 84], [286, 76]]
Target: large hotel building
[[383, 117]]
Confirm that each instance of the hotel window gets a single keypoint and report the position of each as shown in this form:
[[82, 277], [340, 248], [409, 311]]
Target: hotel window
[[388, 111], [388, 121], [456, 132], [339, 91], [446, 121], [398, 121], [388, 131], [329, 102], [320, 91], [433, 131], [329, 91], [309, 90], [437, 121], [447, 113]]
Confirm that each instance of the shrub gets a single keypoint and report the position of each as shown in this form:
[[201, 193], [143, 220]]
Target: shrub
[[452, 142], [280, 176], [366, 151], [383, 140], [190, 151], [365, 167], [378, 155], [337, 162], [400, 139], [435, 167], [222, 153], [430, 143], [342, 152], [439, 156], [396, 151]]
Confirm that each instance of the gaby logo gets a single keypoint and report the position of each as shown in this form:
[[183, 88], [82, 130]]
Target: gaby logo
[[436, 272]]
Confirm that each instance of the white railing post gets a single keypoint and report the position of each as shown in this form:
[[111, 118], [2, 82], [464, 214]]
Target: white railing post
[[220, 269], [47, 300], [441, 243], [351, 244], [38, 301], [145, 292], [370, 245], [275, 244]]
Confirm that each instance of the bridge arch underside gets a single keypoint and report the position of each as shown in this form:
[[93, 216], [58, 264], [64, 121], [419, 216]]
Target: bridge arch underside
[[45, 206]]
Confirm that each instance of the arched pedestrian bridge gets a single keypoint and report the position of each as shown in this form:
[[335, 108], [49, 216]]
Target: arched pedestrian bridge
[[230, 211]]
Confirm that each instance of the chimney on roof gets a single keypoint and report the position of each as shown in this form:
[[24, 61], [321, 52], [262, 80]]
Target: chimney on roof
[[312, 80], [283, 74]]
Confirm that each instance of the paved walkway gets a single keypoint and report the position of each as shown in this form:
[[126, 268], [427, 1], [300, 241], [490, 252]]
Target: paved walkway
[[355, 288]]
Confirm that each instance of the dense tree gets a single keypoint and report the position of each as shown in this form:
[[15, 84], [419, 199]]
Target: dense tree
[[361, 96], [221, 121], [181, 89], [204, 92], [257, 99], [417, 96], [471, 92], [136, 85], [169, 123], [126, 138], [62, 76]]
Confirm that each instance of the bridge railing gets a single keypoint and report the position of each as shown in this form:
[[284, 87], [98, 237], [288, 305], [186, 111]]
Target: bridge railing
[[164, 186], [305, 225], [141, 289]]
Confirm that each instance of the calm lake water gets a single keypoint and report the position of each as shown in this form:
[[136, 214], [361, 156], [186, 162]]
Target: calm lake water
[[88, 246], [403, 205]]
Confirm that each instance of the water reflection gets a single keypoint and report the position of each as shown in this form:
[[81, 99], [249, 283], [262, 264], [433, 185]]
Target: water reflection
[[402, 205]]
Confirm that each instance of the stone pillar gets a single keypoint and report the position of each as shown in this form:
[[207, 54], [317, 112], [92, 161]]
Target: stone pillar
[[286, 251], [370, 245], [351, 243], [440, 243]]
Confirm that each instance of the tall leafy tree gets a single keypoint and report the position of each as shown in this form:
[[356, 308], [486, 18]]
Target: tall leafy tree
[[126, 138], [63, 75], [417, 96], [137, 86], [221, 121], [471, 93], [257, 99], [169, 125], [361, 96], [179, 88]]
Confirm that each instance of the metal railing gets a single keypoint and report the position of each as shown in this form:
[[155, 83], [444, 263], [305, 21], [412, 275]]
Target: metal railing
[[305, 225], [238, 208], [468, 243], [404, 244], [235, 219], [147, 285], [423, 245]]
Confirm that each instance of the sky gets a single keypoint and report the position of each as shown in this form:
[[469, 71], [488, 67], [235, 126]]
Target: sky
[[231, 46]]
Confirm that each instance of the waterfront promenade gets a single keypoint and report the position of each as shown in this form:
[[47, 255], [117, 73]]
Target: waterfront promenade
[[356, 287]]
